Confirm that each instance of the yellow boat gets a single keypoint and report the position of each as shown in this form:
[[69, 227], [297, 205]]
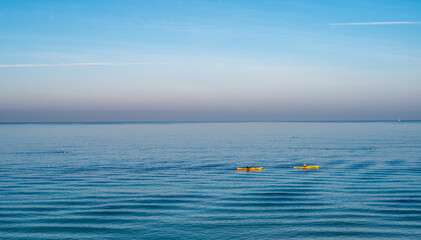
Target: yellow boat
[[249, 169], [309, 167]]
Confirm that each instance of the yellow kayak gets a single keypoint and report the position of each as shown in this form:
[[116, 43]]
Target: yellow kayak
[[309, 167], [250, 169]]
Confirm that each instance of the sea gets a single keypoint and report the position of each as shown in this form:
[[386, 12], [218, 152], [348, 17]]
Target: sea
[[178, 180]]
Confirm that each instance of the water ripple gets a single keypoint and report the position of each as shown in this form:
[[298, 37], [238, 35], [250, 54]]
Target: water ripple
[[179, 181]]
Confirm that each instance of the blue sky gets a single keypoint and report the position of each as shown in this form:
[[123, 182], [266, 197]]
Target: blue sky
[[209, 60]]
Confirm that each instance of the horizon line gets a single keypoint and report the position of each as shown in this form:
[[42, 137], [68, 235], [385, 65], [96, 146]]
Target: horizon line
[[204, 121]]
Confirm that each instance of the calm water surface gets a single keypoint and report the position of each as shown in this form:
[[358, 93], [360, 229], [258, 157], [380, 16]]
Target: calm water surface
[[178, 181]]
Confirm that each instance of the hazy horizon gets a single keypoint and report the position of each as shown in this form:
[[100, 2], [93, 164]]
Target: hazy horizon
[[21, 116], [209, 61]]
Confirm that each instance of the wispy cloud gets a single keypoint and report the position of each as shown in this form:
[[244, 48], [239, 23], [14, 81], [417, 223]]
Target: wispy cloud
[[74, 64], [373, 23]]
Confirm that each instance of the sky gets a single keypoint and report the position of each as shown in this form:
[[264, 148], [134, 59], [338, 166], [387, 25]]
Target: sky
[[267, 60]]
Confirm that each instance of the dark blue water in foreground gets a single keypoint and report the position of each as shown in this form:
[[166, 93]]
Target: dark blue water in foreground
[[178, 181]]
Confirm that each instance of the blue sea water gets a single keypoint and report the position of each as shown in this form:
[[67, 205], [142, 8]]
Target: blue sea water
[[179, 181]]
